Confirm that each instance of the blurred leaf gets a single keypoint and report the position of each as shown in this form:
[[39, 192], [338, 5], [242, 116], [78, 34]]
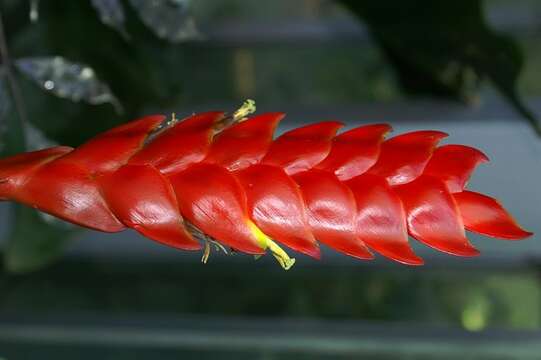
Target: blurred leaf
[[12, 138], [444, 48], [145, 75], [5, 105], [34, 11], [5, 101], [169, 19], [68, 80], [111, 13], [33, 243], [36, 139]]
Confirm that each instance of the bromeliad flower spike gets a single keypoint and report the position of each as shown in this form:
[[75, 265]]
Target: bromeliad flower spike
[[222, 179]]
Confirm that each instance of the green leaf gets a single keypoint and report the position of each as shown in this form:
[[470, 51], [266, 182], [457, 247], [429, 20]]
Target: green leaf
[[444, 48], [11, 132], [168, 19], [67, 79], [111, 13], [33, 242]]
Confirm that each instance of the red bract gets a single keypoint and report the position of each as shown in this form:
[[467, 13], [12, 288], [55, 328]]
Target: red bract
[[226, 180]]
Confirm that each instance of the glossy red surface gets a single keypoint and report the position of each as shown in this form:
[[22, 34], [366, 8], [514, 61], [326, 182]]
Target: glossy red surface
[[355, 151], [277, 207], [184, 144], [404, 157], [147, 203], [68, 191], [302, 148], [331, 212], [433, 217], [112, 149], [381, 219], [245, 143], [454, 164], [212, 199], [352, 191], [16, 170], [485, 215]]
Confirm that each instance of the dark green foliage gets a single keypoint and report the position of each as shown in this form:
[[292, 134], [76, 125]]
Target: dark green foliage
[[33, 242], [444, 48]]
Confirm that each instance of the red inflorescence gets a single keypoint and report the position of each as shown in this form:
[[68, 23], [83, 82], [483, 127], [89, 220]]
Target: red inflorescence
[[353, 192]]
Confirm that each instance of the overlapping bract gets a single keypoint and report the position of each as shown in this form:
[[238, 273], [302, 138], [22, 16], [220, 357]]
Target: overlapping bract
[[353, 192]]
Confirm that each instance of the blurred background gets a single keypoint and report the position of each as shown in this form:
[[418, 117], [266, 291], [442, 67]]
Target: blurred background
[[72, 69]]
